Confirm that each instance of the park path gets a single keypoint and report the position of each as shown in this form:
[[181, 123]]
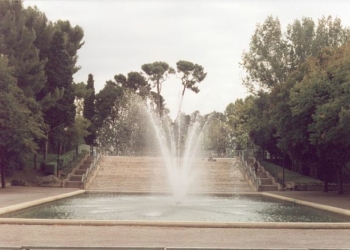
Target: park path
[[148, 174]]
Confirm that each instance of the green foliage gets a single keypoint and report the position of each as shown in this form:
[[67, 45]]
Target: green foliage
[[43, 57], [273, 55], [20, 120], [237, 117], [216, 133], [106, 103], [18, 44], [51, 168], [75, 135], [59, 76], [323, 95], [126, 127], [135, 82], [190, 75], [304, 112], [72, 41], [18, 182], [72, 163], [158, 72], [89, 110]]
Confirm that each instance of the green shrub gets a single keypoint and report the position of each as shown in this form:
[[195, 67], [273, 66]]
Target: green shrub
[[18, 182], [51, 168], [76, 159], [43, 166]]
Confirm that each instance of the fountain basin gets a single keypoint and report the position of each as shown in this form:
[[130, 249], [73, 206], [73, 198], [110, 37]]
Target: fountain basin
[[225, 210]]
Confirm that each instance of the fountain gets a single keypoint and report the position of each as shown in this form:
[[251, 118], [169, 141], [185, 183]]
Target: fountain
[[178, 162], [181, 208], [178, 143]]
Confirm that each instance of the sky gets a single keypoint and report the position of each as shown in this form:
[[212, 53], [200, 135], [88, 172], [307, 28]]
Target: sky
[[122, 35]]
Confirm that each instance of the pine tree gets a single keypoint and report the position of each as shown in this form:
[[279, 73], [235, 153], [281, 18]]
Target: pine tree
[[59, 77], [18, 45]]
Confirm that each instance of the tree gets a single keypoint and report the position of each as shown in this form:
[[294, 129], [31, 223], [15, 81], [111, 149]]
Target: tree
[[191, 74], [44, 30], [261, 129], [237, 116], [273, 55], [158, 72], [105, 103], [324, 95], [59, 77], [20, 120], [121, 119], [216, 133], [266, 62], [18, 45], [136, 82], [291, 128], [72, 41], [89, 110]]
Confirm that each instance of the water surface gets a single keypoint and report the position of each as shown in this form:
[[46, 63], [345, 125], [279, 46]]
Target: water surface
[[233, 208]]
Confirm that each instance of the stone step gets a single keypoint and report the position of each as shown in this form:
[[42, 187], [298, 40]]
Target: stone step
[[80, 172], [84, 166], [73, 184], [75, 177], [266, 181], [268, 188], [261, 174]]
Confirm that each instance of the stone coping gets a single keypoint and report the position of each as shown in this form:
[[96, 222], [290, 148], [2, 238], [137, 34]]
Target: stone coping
[[310, 204], [38, 202], [191, 224], [194, 224], [220, 194]]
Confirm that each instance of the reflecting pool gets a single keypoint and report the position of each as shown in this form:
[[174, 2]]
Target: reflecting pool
[[231, 208]]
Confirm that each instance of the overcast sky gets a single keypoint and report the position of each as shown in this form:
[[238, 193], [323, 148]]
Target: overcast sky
[[120, 36]]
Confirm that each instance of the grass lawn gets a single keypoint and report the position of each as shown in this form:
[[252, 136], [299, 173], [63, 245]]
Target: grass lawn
[[290, 176]]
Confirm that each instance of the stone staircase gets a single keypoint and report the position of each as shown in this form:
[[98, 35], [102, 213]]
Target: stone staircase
[[149, 175], [261, 180], [75, 178], [266, 182]]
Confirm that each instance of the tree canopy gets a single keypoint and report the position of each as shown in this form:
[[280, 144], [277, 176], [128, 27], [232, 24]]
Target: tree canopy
[[300, 84], [38, 60]]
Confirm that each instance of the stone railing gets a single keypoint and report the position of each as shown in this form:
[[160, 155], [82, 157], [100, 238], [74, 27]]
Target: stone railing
[[90, 171], [249, 171], [75, 168]]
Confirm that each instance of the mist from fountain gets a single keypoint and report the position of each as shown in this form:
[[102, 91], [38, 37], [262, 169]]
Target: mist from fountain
[[178, 160], [179, 143]]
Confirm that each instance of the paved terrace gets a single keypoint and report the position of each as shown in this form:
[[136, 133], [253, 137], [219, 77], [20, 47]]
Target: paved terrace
[[114, 236]]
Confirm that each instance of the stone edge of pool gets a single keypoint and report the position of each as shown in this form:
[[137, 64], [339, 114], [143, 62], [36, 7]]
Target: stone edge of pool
[[265, 225]]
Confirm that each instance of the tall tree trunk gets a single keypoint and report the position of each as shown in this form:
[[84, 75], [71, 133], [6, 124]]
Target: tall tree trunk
[[35, 161], [2, 174], [159, 100], [340, 178], [63, 150], [325, 176], [45, 149], [60, 149]]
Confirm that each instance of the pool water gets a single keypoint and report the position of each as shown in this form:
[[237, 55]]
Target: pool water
[[232, 208]]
